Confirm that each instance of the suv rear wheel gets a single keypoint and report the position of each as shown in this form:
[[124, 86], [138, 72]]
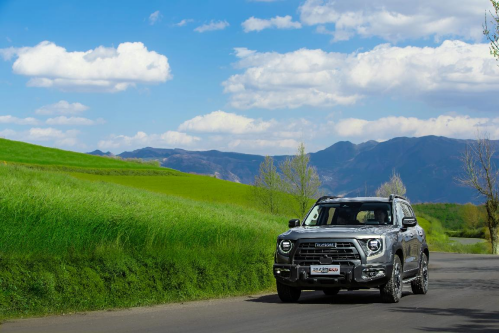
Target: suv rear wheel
[[420, 285], [392, 291], [331, 291], [288, 294]]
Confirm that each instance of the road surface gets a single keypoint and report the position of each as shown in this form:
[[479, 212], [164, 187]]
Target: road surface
[[462, 297]]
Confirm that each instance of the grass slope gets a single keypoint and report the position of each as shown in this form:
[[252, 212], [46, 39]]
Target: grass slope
[[68, 244], [200, 188], [21, 152], [451, 215], [439, 241]]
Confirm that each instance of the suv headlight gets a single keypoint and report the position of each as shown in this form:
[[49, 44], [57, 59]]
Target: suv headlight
[[285, 246], [372, 246]]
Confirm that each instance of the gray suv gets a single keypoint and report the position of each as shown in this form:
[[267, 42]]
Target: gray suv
[[353, 243]]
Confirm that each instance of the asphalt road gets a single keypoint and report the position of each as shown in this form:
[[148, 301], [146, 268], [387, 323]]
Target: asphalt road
[[462, 297]]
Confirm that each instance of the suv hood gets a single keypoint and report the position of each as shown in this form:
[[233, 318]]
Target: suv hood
[[338, 232]]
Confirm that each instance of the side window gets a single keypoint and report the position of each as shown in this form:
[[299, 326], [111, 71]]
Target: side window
[[399, 213], [408, 210], [312, 218]]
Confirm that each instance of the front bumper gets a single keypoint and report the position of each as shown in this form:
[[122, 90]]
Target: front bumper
[[350, 277]]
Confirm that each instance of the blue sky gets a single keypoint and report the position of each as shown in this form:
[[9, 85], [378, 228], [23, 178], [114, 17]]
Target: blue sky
[[245, 76]]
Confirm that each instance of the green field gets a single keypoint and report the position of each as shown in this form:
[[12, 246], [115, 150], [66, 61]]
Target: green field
[[200, 188], [21, 152], [81, 232], [68, 244]]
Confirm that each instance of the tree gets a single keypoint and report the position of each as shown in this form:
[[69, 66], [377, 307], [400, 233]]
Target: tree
[[300, 179], [492, 36], [471, 214], [393, 186], [268, 186], [481, 174]]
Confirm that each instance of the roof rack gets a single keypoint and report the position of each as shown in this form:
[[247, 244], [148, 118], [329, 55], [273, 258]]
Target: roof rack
[[394, 196], [327, 197]]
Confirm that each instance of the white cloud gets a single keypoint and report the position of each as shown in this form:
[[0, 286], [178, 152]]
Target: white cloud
[[7, 134], [213, 25], [102, 69], [18, 121], [460, 127], [395, 20], [223, 122], [183, 22], [78, 121], [155, 17], [8, 53], [62, 107], [178, 138], [287, 145], [141, 140], [443, 75], [48, 135], [279, 22]]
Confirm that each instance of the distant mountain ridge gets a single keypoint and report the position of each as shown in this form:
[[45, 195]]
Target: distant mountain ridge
[[428, 166], [97, 152]]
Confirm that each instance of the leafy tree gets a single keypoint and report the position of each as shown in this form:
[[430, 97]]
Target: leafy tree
[[268, 186], [471, 215], [492, 35], [301, 180], [393, 186], [482, 175]]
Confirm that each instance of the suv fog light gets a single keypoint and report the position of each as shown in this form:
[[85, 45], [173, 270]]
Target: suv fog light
[[373, 273]]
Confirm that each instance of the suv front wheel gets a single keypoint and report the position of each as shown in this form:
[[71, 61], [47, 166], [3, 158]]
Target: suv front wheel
[[392, 291], [288, 294]]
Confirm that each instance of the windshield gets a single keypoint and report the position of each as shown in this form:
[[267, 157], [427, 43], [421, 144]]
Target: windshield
[[350, 213]]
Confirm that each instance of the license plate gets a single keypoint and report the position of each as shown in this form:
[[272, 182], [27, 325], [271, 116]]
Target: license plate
[[325, 269]]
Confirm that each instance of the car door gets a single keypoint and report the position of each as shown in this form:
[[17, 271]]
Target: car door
[[413, 242], [406, 239]]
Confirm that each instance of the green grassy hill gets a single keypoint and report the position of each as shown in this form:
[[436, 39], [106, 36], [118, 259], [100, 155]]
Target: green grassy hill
[[68, 244], [21, 152]]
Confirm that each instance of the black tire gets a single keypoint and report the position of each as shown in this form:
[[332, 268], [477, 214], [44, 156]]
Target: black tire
[[392, 291], [331, 291], [421, 284], [288, 294]]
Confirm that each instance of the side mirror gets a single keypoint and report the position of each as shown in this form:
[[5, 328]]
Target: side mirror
[[409, 222], [293, 223]]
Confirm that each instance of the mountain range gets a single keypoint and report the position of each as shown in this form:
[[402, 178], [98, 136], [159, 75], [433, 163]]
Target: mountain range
[[428, 166]]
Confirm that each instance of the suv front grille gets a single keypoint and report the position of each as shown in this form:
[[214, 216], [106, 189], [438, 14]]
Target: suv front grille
[[309, 254]]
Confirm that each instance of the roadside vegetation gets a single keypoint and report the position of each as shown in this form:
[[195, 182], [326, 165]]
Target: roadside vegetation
[[70, 245], [467, 220], [438, 239]]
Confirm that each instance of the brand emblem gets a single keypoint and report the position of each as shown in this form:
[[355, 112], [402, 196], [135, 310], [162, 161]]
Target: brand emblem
[[324, 245]]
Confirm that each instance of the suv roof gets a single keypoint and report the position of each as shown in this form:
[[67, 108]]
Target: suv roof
[[327, 199]]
